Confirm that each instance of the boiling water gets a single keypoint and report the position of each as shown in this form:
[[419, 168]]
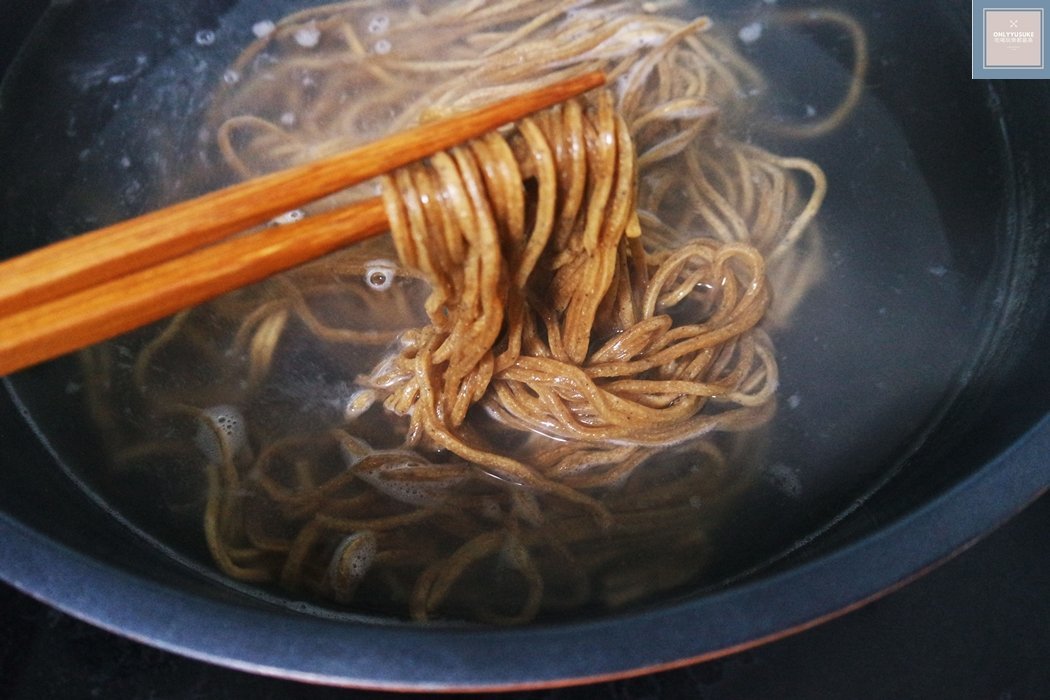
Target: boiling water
[[867, 362]]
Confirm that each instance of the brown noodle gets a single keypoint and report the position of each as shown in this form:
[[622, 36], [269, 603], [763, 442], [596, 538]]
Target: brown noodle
[[595, 280]]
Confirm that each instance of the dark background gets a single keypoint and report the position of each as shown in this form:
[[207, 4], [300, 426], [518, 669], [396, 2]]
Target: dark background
[[977, 627]]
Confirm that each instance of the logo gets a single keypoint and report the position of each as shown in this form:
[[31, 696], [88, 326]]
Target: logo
[[1009, 39]]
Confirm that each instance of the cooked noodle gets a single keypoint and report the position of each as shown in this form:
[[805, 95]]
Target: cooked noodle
[[543, 369]]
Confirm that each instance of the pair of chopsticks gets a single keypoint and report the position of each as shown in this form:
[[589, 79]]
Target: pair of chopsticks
[[86, 289]]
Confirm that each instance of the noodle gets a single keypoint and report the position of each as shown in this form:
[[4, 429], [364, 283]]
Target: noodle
[[548, 381]]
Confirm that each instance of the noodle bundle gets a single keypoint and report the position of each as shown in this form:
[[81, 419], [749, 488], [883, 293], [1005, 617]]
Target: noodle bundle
[[538, 392], [515, 314]]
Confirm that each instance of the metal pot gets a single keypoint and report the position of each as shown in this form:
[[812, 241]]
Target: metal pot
[[982, 146]]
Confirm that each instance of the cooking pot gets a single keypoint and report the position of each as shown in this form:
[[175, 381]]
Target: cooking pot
[[983, 452]]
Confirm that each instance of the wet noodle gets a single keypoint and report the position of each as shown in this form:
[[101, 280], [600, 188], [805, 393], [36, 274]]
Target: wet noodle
[[553, 366]]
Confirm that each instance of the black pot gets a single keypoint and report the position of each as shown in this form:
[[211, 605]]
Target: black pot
[[983, 147]]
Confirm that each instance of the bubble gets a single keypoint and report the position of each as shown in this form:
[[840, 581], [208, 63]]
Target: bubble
[[379, 279], [401, 480], [288, 119], [350, 562], [358, 550], [204, 37], [308, 36], [289, 217], [751, 32], [263, 28], [221, 430], [382, 47], [378, 24], [380, 274], [230, 77], [404, 492]]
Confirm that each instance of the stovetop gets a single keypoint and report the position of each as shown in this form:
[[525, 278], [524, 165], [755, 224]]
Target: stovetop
[[977, 627]]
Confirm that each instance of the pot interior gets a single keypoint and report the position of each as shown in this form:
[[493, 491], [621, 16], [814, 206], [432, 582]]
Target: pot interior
[[903, 371]]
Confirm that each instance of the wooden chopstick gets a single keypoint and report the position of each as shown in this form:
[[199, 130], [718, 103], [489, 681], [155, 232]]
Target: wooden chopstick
[[84, 290], [75, 263], [106, 310]]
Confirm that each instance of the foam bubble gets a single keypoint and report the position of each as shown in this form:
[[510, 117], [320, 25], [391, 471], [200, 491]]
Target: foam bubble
[[380, 274], [263, 28], [289, 217], [396, 480], [750, 33], [308, 36], [352, 559], [204, 37], [382, 47], [378, 24], [221, 429]]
